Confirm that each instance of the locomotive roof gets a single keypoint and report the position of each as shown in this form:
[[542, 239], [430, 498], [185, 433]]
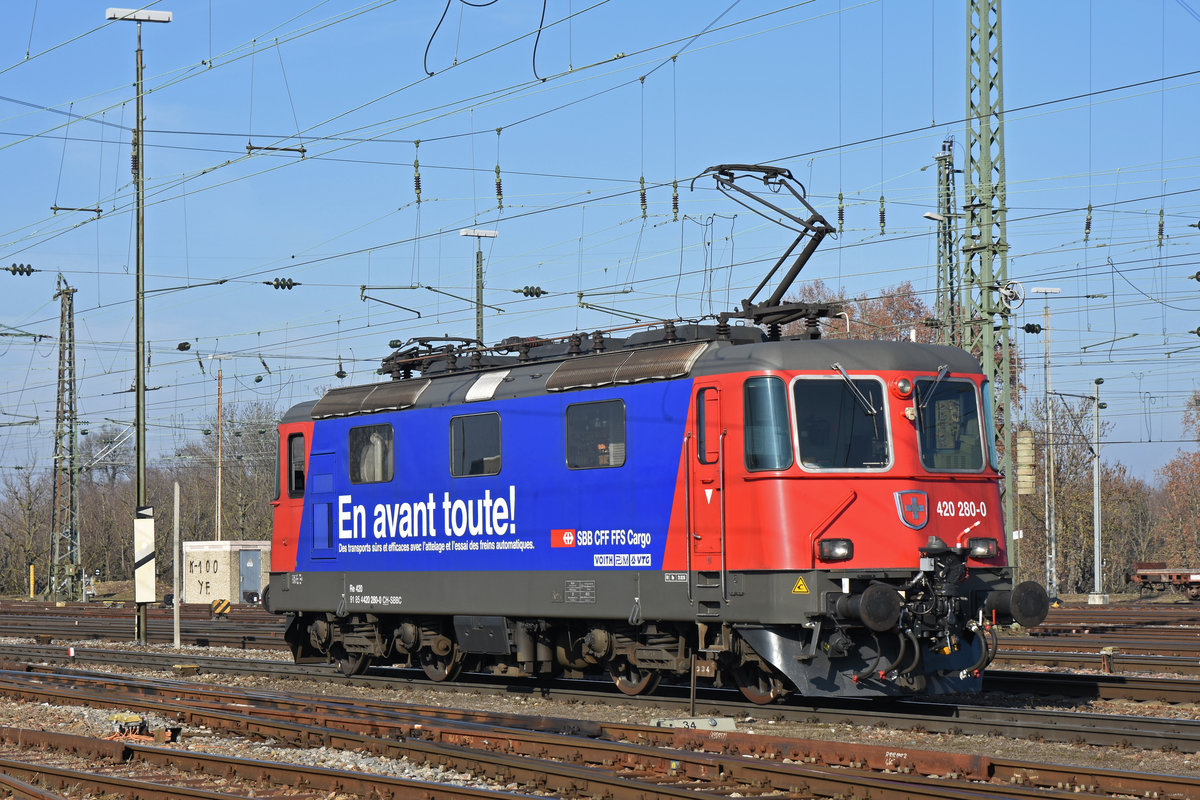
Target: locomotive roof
[[631, 361]]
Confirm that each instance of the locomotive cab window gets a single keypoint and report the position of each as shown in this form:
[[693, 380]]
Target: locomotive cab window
[[596, 435], [768, 434], [948, 431], [371, 455], [296, 465], [475, 445], [841, 423]]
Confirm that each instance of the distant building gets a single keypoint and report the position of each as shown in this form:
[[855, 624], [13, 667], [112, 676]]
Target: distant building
[[235, 571]]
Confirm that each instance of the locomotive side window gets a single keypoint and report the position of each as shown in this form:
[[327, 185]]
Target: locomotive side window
[[596, 435], [296, 465], [948, 430], [765, 414], [475, 445], [989, 427], [371, 454], [841, 424]]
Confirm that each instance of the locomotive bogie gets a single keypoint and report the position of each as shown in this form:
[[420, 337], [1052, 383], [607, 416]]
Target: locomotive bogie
[[813, 516]]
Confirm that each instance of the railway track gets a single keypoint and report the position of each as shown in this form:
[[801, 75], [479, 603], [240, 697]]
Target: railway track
[[1167, 636], [574, 759], [969, 718], [248, 627], [1009, 682], [833, 768], [38, 764]]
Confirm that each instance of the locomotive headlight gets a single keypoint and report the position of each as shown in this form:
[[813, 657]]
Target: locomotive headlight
[[983, 547], [835, 549], [902, 388]]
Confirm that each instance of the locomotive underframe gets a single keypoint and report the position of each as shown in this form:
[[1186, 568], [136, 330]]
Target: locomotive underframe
[[756, 629]]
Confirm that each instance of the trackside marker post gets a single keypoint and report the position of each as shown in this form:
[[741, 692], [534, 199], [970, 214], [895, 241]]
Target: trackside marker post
[[143, 567]]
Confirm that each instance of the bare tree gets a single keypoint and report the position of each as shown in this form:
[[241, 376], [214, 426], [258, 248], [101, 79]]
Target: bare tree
[[890, 315], [25, 500]]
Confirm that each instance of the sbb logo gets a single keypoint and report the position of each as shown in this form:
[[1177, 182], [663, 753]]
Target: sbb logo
[[563, 537]]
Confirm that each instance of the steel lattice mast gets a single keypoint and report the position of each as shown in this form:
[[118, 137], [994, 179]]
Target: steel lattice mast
[[950, 301], [66, 569], [985, 251]]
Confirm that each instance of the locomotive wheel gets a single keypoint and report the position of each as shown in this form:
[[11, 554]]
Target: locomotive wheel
[[631, 679], [441, 667], [757, 684], [349, 664]]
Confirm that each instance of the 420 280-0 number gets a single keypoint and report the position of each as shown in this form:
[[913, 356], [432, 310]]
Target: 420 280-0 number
[[961, 508]]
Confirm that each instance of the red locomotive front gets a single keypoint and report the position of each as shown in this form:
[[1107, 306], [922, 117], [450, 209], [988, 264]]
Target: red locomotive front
[[861, 502]]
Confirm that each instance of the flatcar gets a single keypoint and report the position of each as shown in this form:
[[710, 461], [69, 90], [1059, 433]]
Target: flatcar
[[712, 502], [1156, 576]]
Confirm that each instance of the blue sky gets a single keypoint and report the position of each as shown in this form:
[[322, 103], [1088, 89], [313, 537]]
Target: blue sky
[[1101, 108]]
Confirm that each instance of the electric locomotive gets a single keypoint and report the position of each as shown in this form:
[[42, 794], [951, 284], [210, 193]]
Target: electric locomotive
[[777, 513]]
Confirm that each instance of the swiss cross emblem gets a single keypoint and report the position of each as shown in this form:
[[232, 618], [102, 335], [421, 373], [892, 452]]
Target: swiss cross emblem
[[913, 508]]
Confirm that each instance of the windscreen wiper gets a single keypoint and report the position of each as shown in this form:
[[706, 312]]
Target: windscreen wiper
[[943, 370], [858, 395]]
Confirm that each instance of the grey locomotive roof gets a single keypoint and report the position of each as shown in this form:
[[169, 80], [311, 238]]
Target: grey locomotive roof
[[301, 412], [643, 361], [820, 354]]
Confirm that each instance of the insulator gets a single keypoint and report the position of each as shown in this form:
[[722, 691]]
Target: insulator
[[1160, 227], [20, 269], [642, 192], [882, 216], [674, 201], [1032, 327], [417, 172], [133, 163], [533, 291], [283, 283], [1087, 224], [597, 342], [499, 189], [841, 213]]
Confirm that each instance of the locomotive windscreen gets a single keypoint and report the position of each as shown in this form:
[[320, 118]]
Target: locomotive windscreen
[[841, 424], [948, 425]]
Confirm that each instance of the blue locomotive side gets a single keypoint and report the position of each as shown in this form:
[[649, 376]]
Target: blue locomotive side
[[453, 502]]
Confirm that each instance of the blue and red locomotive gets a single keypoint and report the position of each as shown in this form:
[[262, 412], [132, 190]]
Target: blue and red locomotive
[[781, 514]]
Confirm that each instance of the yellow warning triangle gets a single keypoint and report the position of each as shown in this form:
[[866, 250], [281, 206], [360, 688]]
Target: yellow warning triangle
[[801, 587]]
